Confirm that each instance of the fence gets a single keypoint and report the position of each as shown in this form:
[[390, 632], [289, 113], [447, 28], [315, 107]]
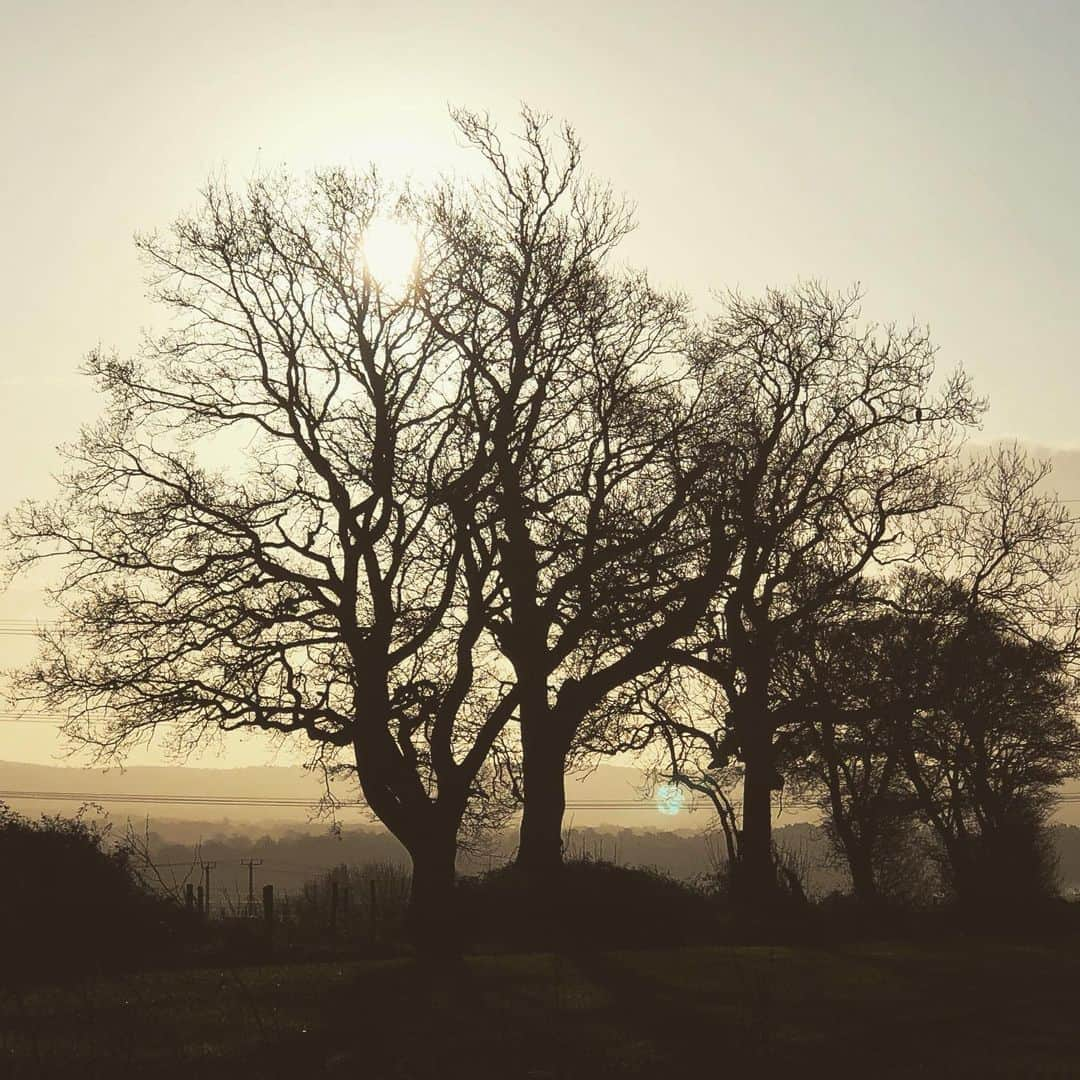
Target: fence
[[346, 904]]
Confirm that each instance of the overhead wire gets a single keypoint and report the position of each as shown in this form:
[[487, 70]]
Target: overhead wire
[[285, 802]]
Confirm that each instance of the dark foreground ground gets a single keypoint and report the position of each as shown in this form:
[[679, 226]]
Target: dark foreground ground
[[973, 1009]]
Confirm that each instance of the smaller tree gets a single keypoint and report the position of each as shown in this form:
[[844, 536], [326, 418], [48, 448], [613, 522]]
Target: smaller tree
[[987, 745], [828, 441], [847, 748], [687, 754], [953, 698], [997, 606]]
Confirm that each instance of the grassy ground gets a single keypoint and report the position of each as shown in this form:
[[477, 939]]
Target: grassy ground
[[869, 1010]]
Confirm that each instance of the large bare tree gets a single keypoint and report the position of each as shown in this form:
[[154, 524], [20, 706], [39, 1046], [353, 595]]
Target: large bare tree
[[582, 400], [270, 526]]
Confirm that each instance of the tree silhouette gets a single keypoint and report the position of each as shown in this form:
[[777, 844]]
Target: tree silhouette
[[580, 396], [992, 737], [847, 749], [829, 442], [949, 694], [997, 731], [269, 528]]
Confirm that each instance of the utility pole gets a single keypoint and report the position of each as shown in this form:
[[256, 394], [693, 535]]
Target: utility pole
[[251, 864], [207, 867]]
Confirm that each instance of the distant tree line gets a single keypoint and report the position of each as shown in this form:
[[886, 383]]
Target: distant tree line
[[467, 532]]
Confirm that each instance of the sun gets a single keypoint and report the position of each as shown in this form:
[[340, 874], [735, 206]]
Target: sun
[[389, 251]]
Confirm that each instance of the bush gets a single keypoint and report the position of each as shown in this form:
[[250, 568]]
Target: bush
[[588, 902], [68, 904], [1011, 867], [309, 912]]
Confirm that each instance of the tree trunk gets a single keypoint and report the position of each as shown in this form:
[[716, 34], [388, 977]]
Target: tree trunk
[[543, 764], [433, 923], [756, 884], [863, 882], [857, 853]]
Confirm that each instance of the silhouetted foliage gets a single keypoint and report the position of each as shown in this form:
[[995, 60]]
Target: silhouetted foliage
[[467, 531], [948, 703], [268, 528], [993, 738], [847, 753], [993, 636], [69, 903], [587, 903], [372, 904], [386, 522]]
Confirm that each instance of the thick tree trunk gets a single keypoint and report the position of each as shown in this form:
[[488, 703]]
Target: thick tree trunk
[[756, 878], [543, 765], [433, 922], [863, 882], [858, 854]]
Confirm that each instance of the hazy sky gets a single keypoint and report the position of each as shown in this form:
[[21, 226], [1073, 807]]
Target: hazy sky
[[927, 150]]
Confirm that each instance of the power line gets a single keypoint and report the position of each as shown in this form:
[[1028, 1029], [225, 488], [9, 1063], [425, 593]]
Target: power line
[[297, 803], [300, 803]]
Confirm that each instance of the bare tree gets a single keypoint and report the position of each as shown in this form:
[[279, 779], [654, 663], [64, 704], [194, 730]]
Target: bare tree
[[830, 441], [686, 753], [584, 408], [991, 736], [269, 527], [953, 698], [1009, 544], [850, 678], [995, 630]]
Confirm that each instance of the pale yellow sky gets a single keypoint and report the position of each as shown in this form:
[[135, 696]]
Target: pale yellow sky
[[926, 149]]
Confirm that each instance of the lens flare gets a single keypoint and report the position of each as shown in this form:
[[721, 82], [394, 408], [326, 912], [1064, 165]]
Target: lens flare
[[669, 799]]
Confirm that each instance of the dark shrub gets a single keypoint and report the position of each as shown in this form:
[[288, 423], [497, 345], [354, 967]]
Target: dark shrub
[[1010, 867], [587, 903], [68, 904]]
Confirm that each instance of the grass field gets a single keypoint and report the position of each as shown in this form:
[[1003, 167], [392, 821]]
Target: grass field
[[869, 1010]]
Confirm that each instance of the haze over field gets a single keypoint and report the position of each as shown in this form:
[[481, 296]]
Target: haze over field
[[268, 790]]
